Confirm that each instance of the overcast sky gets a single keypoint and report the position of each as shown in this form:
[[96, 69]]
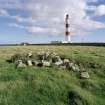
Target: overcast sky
[[38, 21]]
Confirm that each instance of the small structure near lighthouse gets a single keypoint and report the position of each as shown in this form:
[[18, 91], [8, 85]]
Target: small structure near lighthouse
[[67, 31]]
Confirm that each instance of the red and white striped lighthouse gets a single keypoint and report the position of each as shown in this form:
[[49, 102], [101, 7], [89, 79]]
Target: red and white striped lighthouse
[[67, 32]]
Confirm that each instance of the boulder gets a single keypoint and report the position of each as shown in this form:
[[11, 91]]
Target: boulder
[[46, 63], [58, 63], [20, 64], [58, 57], [55, 59], [75, 68], [29, 62], [66, 61], [84, 75], [71, 64], [30, 54], [63, 67]]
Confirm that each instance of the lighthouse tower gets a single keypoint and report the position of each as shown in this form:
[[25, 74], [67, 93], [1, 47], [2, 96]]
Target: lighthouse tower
[[67, 32]]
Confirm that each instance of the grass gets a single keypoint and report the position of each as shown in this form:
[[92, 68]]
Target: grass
[[51, 86]]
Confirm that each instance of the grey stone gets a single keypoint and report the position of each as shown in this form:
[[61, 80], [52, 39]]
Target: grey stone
[[71, 64], [66, 61], [29, 62], [55, 59], [58, 63], [68, 65], [84, 75], [30, 54], [75, 68], [63, 67], [21, 64], [46, 63]]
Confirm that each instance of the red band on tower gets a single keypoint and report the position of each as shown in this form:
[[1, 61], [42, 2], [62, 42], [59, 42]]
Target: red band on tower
[[67, 25]]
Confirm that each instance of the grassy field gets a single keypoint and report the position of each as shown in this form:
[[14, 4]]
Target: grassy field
[[51, 86]]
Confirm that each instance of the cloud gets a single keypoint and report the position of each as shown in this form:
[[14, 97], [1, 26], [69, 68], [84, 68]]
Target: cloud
[[89, 25], [100, 10], [91, 8], [3, 12], [38, 29], [20, 19], [16, 25], [47, 17], [92, 1], [42, 30], [11, 4]]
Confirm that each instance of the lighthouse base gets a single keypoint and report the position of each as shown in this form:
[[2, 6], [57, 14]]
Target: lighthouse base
[[67, 39]]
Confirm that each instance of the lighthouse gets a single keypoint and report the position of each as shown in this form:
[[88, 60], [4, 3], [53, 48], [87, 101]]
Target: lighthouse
[[67, 31]]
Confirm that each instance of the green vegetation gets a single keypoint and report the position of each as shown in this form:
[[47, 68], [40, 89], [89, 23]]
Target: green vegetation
[[51, 86]]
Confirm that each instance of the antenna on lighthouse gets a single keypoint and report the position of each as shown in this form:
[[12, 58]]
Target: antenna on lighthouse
[[67, 32]]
